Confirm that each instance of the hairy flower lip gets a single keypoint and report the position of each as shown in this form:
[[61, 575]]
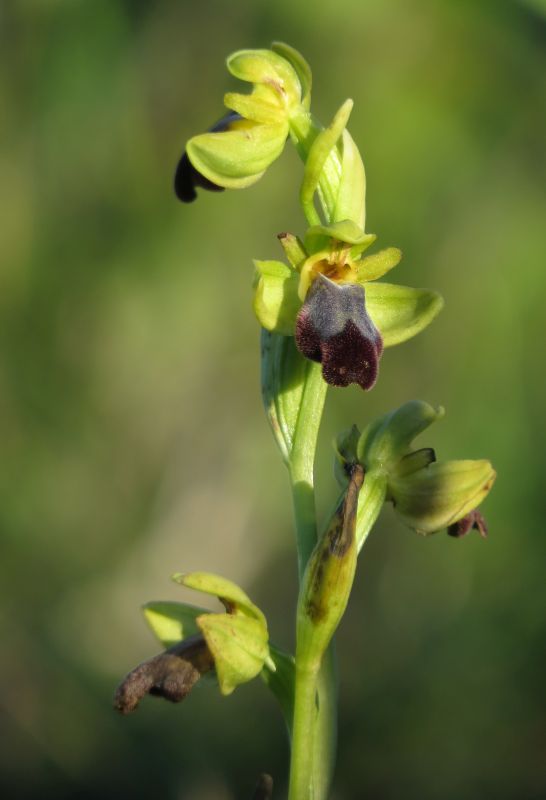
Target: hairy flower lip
[[334, 329], [187, 178]]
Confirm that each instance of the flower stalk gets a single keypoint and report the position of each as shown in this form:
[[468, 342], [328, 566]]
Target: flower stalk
[[326, 319]]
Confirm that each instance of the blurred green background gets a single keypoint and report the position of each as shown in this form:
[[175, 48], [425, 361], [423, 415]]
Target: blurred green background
[[133, 439]]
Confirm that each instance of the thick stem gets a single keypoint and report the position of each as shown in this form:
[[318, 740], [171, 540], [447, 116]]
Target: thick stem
[[304, 731]]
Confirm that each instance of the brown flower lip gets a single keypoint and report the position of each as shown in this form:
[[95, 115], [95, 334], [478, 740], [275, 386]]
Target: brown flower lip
[[171, 674], [187, 178], [334, 329], [472, 521]]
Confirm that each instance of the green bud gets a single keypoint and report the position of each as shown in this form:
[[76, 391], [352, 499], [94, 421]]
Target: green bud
[[238, 639], [440, 494], [328, 579]]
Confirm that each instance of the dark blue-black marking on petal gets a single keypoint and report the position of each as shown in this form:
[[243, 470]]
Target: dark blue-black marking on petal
[[187, 178], [334, 328]]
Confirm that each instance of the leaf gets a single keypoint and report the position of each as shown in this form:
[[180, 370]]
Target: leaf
[[400, 312]]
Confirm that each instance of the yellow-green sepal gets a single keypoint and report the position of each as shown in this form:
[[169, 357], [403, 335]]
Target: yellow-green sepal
[[237, 158], [276, 301], [401, 312], [231, 595], [172, 622], [239, 646]]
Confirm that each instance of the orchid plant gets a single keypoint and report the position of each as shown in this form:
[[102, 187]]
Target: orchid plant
[[326, 319]]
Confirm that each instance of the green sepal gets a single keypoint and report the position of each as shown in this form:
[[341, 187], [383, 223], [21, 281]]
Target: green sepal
[[172, 622], [293, 248], [237, 158], [400, 312], [283, 377], [239, 645], [319, 237], [319, 151], [440, 494], [351, 196], [269, 69], [301, 67], [375, 266], [231, 595], [388, 439], [276, 300]]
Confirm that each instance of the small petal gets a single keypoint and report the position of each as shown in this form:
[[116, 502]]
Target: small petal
[[375, 266], [334, 329]]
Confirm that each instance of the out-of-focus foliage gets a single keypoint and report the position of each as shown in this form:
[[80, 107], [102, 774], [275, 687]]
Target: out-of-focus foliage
[[133, 441]]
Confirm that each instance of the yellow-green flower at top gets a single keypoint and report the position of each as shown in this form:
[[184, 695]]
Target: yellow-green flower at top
[[328, 298]]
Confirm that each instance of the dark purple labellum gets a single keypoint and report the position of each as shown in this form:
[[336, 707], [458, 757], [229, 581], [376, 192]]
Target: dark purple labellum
[[473, 521], [187, 178], [333, 328]]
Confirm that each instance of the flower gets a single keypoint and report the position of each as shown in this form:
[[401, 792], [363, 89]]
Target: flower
[[328, 300], [237, 150], [428, 495]]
